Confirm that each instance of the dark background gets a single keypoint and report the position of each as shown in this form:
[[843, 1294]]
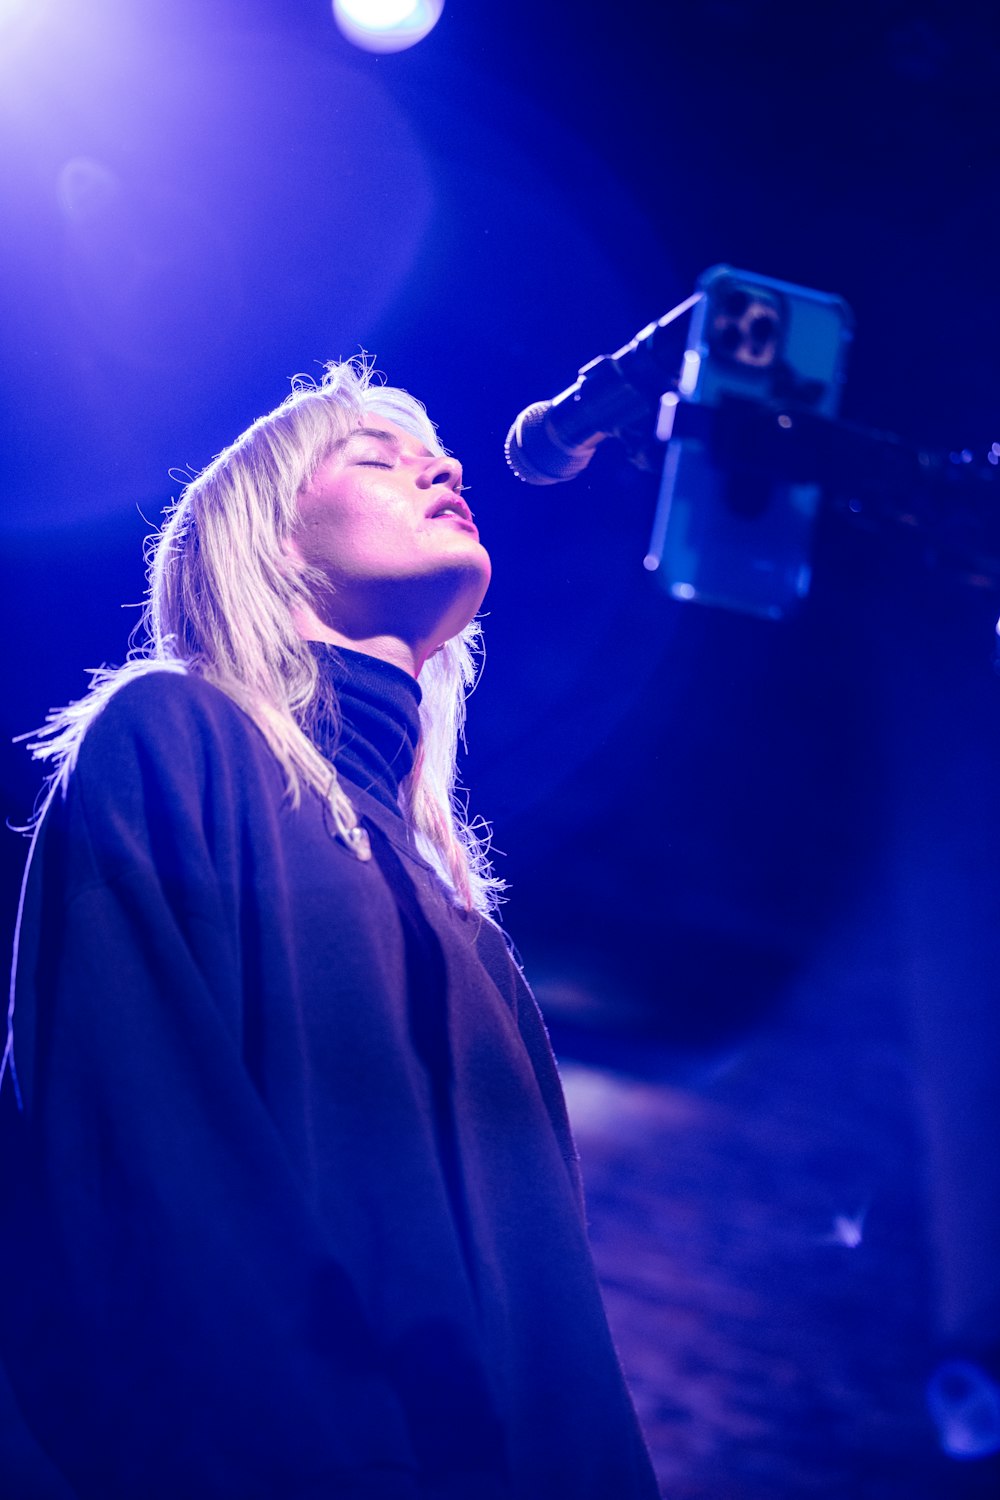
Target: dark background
[[694, 809]]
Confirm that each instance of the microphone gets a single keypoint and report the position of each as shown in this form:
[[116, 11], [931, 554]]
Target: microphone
[[555, 440]]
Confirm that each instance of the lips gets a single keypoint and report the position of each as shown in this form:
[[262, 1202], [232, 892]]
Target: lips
[[452, 505]]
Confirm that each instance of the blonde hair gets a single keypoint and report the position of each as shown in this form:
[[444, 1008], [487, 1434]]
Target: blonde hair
[[220, 604]]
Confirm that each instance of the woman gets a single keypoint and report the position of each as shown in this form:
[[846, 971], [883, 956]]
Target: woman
[[296, 1207]]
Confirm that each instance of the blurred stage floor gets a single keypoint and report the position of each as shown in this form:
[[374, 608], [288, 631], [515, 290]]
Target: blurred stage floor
[[760, 1230]]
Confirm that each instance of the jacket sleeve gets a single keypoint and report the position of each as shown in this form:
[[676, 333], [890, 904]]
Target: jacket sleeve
[[173, 1322]]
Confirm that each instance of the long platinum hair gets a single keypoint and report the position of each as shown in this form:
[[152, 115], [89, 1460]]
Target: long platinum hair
[[220, 604]]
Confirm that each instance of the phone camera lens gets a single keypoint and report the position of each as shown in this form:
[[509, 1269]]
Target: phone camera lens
[[762, 331]]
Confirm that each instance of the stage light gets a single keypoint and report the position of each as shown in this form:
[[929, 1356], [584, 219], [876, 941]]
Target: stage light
[[386, 25]]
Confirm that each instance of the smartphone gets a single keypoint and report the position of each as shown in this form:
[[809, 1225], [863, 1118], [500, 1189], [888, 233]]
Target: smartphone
[[731, 536]]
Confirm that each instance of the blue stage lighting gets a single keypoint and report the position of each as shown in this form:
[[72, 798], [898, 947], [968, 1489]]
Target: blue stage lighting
[[386, 25]]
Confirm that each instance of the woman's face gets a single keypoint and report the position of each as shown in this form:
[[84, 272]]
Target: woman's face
[[384, 522]]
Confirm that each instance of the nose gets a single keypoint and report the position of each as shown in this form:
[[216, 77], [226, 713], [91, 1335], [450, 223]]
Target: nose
[[439, 470]]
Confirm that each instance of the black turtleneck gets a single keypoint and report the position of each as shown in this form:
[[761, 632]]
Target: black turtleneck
[[372, 741]]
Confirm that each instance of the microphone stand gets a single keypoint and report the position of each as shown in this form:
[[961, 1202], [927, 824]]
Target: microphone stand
[[874, 478]]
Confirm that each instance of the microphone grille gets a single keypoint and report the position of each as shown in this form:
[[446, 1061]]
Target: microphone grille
[[535, 453], [523, 441]]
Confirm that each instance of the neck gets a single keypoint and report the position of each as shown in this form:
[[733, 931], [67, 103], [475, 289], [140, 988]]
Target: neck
[[405, 654]]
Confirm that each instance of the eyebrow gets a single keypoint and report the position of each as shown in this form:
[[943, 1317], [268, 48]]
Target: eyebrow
[[378, 433]]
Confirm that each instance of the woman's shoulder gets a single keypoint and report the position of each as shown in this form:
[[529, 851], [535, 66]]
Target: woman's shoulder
[[148, 690], [153, 715], [158, 700]]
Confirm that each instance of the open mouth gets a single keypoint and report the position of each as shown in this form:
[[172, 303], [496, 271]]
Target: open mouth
[[453, 507]]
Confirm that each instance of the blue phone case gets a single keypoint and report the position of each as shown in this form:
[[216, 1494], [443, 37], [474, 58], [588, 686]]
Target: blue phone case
[[725, 537]]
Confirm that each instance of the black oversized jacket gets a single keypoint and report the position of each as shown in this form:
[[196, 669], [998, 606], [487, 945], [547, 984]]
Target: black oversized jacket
[[291, 1208]]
